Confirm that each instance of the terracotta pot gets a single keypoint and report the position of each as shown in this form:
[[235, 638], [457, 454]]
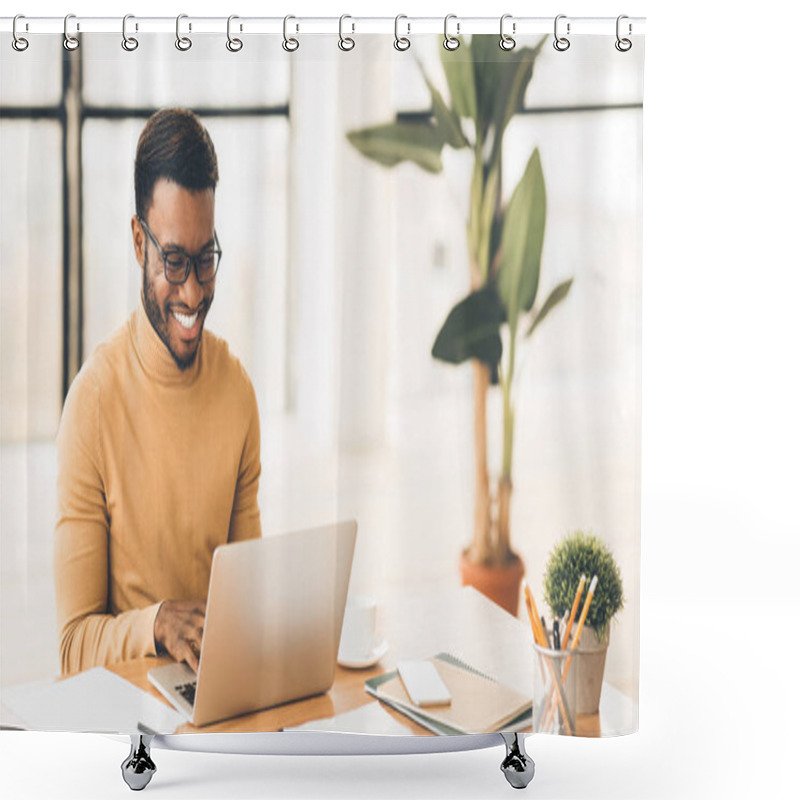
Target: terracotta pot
[[499, 584], [591, 663]]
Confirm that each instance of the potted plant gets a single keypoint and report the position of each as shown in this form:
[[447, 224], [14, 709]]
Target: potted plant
[[486, 90], [576, 555]]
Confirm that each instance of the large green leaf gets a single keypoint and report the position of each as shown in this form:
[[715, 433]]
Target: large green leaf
[[555, 297], [472, 330], [418, 141], [485, 53], [460, 76], [510, 94], [447, 120], [521, 242], [501, 79]]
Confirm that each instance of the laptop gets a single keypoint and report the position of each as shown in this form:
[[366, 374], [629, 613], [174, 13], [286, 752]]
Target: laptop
[[273, 623]]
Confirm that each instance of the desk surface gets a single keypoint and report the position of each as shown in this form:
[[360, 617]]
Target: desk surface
[[496, 643], [346, 693]]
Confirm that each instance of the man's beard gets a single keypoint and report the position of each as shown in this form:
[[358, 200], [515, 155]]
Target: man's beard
[[159, 324]]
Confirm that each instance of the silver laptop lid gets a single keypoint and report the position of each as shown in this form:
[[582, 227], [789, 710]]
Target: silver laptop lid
[[273, 620]]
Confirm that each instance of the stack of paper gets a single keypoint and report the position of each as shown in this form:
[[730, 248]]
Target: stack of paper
[[95, 701]]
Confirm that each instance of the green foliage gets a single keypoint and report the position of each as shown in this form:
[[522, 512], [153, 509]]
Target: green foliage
[[521, 242], [394, 142], [460, 74], [558, 294], [583, 554], [501, 79], [483, 213], [472, 330], [447, 121], [487, 86]]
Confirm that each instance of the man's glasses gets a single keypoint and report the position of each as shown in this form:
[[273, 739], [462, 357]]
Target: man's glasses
[[178, 263]]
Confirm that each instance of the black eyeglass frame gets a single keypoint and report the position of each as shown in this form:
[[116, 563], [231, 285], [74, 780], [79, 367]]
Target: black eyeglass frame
[[192, 261]]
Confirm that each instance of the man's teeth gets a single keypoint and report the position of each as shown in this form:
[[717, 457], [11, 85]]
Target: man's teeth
[[187, 322]]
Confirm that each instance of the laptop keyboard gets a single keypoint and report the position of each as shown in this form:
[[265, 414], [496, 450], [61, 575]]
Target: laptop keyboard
[[187, 690]]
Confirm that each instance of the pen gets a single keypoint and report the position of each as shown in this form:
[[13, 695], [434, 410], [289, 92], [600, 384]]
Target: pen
[[556, 636]]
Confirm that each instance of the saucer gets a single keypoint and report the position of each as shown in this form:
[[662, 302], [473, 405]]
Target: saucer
[[364, 660]]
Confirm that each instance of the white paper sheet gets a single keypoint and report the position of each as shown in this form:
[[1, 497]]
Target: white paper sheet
[[93, 701], [369, 718]]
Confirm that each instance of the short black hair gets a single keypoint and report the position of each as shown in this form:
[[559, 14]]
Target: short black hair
[[174, 145]]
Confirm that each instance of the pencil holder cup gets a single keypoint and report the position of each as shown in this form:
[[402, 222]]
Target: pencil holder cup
[[555, 681]]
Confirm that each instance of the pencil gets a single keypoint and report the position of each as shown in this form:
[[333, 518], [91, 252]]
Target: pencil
[[565, 638], [575, 642], [533, 615], [528, 596], [541, 640], [584, 613]]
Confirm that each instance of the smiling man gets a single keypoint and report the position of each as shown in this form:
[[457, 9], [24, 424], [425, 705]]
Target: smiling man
[[159, 443]]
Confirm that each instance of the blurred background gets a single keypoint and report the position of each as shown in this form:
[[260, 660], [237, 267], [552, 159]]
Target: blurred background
[[336, 276]]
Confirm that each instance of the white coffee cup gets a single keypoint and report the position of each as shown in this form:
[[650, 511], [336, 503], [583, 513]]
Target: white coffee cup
[[358, 627]]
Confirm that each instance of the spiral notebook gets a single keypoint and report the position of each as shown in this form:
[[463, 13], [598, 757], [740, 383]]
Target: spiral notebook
[[479, 703]]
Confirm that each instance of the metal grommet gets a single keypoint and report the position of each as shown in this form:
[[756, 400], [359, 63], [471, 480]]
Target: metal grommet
[[451, 42], [234, 45], [128, 42], [70, 42], [345, 42], [290, 44], [561, 43], [401, 43], [183, 43], [623, 45], [507, 42], [19, 43]]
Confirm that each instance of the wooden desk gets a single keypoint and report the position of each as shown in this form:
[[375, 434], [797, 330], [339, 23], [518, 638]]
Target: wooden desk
[[461, 621], [346, 693]]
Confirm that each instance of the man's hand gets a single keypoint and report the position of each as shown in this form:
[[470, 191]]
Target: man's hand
[[178, 629]]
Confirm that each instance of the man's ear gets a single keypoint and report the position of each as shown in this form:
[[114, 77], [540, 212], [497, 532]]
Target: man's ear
[[138, 240]]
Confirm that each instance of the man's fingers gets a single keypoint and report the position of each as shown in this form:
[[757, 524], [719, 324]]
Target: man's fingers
[[192, 657]]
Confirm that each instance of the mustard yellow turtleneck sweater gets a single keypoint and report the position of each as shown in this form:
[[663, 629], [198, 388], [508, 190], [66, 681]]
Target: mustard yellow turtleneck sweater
[[156, 468]]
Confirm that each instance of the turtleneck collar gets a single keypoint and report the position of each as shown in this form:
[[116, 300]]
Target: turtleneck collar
[[156, 359]]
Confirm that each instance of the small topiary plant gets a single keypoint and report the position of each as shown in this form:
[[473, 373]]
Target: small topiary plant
[[583, 554]]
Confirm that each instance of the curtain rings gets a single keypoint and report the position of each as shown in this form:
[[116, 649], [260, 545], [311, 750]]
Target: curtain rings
[[129, 43], [451, 42], [19, 43], [183, 43], [290, 44], [401, 43], [70, 42], [507, 42], [234, 45], [561, 43], [623, 45], [346, 43]]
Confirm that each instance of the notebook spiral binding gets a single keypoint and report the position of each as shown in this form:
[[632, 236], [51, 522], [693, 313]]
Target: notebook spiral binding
[[451, 42], [458, 662]]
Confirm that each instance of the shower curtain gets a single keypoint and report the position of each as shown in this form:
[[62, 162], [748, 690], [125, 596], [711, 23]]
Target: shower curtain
[[254, 289]]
